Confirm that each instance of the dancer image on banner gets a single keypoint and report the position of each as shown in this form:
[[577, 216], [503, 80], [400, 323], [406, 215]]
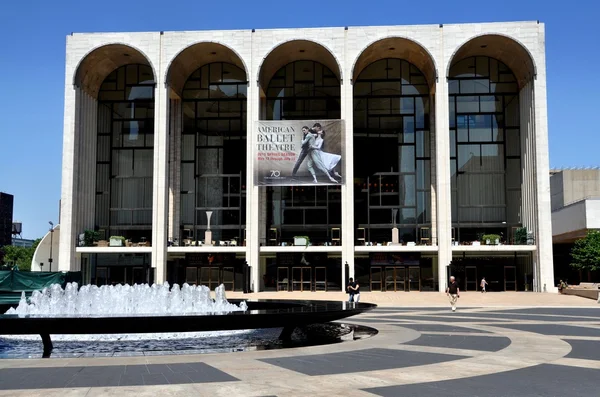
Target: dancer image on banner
[[304, 149], [314, 158], [330, 160]]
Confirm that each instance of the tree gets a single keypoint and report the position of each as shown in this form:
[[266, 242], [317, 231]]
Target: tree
[[586, 252], [19, 256]]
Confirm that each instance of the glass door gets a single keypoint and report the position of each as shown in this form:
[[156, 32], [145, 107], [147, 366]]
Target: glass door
[[283, 283], [510, 278], [400, 279], [320, 279], [306, 279], [228, 278], [209, 276], [414, 278], [390, 279], [470, 278], [376, 282], [296, 279], [136, 275], [191, 275], [101, 276]]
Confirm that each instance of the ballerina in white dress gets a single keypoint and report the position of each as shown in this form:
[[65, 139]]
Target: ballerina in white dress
[[330, 160]]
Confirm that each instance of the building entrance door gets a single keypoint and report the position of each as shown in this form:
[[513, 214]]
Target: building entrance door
[[395, 278], [414, 278], [209, 276], [471, 278], [320, 279], [376, 278], [228, 278], [301, 278], [510, 278], [283, 282]]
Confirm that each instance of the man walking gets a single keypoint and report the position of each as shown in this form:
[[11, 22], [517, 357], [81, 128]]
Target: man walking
[[453, 292]]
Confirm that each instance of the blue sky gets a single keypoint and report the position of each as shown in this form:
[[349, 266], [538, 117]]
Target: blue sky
[[33, 53]]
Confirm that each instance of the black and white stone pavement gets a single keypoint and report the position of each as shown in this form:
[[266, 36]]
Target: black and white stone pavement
[[481, 352]]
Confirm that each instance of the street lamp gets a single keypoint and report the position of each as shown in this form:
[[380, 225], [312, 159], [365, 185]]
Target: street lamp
[[51, 238]]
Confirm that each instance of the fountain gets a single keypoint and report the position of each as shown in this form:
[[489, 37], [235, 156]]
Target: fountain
[[157, 309], [91, 300]]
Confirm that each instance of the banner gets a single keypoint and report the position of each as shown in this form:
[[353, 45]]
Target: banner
[[298, 152]]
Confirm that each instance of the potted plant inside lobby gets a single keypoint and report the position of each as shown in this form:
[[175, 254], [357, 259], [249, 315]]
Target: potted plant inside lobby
[[491, 239], [521, 236], [117, 241], [301, 240], [90, 237]]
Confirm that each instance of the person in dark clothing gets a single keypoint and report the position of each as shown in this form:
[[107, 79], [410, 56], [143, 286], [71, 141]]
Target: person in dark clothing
[[353, 291], [305, 149], [453, 292]]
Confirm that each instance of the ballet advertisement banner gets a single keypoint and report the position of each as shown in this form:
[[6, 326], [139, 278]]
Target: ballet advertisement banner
[[298, 152]]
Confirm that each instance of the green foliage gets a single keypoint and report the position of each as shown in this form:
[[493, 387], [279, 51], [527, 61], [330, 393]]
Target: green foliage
[[90, 237], [586, 252], [119, 238], [19, 256], [304, 237], [491, 237], [521, 236]]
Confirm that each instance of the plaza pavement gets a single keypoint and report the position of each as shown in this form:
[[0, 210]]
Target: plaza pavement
[[496, 344]]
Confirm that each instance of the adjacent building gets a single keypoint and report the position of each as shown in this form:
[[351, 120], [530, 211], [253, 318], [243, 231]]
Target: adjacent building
[[425, 154], [575, 196], [6, 218]]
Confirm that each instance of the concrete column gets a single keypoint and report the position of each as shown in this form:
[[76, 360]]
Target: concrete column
[[175, 170], [433, 167], [253, 204], [160, 195], [442, 179], [70, 159], [543, 233], [85, 184], [347, 114]]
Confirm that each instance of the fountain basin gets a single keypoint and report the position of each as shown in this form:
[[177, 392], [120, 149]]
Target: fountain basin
[[260, 314]]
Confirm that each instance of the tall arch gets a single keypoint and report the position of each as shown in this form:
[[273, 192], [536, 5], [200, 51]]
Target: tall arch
[[197, 55], [301, 80], [505, 49], [296, 50], [97, 64], [394, 82], [400, 48], [207, 84], [113, 117]]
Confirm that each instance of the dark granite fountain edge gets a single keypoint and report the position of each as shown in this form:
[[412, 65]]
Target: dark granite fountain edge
[[261, 314]]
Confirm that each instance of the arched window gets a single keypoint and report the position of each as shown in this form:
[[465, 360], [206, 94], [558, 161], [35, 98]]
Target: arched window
[[392, 150], [213, 151], [303, 90], [124, 161], [485, 147]]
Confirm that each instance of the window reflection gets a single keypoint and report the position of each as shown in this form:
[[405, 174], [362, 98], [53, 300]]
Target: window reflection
[[391, 122], [483, 98], [303, 90], [213, 151]]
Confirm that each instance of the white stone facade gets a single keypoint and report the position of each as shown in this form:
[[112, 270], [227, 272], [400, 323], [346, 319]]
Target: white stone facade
[[90, 57]]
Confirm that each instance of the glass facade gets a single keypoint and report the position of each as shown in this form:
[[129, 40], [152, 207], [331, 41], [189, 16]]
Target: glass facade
[[303, 90], [493, 186], [124, 162], [485, 148], [113, 269], [213, 152], [392, 123]]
